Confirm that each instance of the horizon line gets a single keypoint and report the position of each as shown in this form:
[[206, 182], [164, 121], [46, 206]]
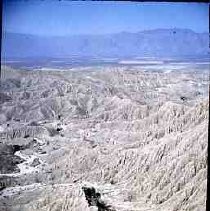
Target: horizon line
[[101, 34]]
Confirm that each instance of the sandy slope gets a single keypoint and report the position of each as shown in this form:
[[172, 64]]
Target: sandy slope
[[139, 138]]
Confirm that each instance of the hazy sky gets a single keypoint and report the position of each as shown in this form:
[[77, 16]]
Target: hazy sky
[[53, 17]]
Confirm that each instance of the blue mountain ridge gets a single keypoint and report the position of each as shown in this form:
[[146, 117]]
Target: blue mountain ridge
[[158, 42]]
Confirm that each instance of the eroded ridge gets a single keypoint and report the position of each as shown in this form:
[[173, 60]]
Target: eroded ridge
[[115, 138]]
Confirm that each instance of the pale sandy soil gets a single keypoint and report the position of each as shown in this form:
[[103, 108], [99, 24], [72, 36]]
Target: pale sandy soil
[[138, 138]]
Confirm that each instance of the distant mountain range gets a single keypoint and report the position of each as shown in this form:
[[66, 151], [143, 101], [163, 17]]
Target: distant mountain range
[[159, 42]]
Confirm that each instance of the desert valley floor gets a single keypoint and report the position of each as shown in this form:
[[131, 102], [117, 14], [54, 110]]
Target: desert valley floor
[[110, 138]]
